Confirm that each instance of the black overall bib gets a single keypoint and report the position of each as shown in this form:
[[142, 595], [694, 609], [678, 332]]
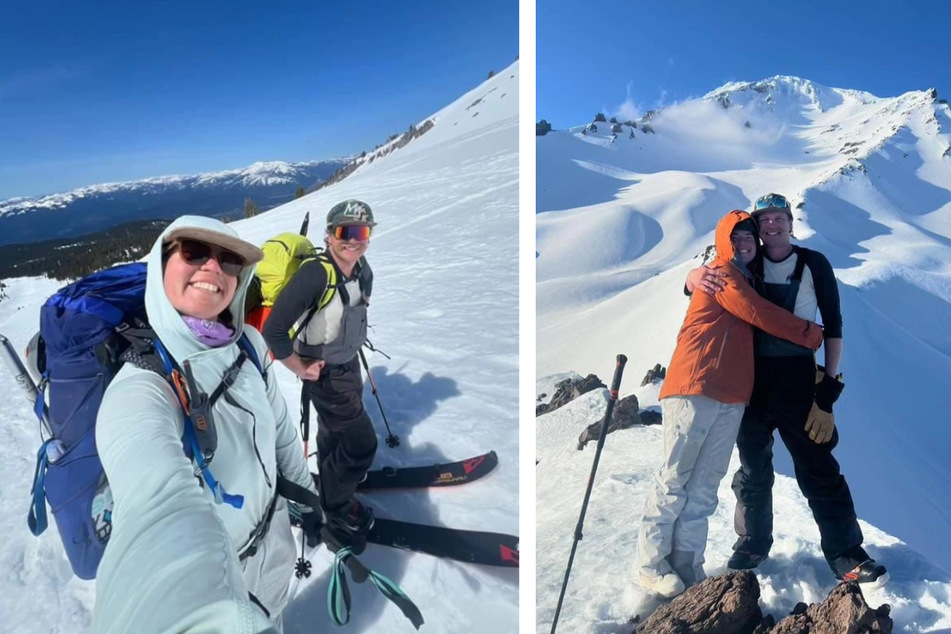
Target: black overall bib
[[783, 392]]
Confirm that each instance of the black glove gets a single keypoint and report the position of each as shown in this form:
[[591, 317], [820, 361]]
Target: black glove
[[312, 523], [828, 391]]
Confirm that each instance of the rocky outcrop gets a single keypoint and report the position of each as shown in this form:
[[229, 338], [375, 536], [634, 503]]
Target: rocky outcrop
[[626, 414], [729, 604], [844, 611], [567, 391], [726, 604], [657, 373]]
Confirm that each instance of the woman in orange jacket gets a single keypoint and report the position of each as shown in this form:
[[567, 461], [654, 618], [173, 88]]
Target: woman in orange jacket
[[709, 382]]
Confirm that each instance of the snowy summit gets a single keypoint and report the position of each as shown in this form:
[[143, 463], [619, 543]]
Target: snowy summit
[[623, 214]]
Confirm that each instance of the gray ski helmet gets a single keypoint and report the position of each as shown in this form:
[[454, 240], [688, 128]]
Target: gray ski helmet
[[350, 212]]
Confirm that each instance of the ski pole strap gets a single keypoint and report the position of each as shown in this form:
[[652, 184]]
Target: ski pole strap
[[369, 345], [338, 593], [36, 519], [394, 593]]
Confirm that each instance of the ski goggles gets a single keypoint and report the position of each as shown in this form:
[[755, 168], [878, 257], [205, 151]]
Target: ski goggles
[[196, 253], [360, 233], [770, 201]]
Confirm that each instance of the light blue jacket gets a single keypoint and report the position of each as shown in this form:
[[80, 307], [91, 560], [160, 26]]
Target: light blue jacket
[[171, 563]]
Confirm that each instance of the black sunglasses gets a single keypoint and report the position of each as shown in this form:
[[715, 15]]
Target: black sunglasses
[[197, 253]]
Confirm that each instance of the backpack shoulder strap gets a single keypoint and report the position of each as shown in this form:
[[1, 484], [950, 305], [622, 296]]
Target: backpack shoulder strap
[[802, 254], [333, 279], [365, 275], [245, 344], [333, 276]]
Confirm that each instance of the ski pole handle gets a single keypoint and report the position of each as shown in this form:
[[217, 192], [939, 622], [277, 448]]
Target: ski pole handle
[[618, 371]]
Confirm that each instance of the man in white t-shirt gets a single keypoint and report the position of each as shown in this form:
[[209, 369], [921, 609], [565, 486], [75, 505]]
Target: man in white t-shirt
[[794, 396]]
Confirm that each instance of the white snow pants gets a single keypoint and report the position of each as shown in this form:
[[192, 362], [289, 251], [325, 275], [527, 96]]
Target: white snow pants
[[699, 434], [268, 572]]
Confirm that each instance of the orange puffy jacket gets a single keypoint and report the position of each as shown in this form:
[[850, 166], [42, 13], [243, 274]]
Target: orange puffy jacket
[[714, 354]]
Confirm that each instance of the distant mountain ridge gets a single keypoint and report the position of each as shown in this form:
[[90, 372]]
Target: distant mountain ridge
[[96, 207]]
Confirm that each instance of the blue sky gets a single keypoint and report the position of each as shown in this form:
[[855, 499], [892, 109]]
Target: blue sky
[[112, 90], [596, 57]]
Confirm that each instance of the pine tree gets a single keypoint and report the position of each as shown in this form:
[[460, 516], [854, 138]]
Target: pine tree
[[299, 193], [250, 209]]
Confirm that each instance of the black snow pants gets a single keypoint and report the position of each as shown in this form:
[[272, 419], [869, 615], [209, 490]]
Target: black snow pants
[[783, 392], [346, 440]]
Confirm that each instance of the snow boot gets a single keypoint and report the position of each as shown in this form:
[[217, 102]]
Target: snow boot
[[742, 560], [867, 572], [350, 524], [666, 585], [855, 565]]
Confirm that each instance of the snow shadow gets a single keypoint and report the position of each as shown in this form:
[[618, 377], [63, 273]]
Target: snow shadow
[[918, 312], [568, 183], [406, 404], [307, 610], [842, 225], [901, 170]]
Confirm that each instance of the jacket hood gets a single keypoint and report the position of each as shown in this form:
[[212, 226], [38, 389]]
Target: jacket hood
[[164, 319], [722, 235]]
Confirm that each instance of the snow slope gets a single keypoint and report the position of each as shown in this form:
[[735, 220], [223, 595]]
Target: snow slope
[[603, 593], [621, 221], [445, 308]]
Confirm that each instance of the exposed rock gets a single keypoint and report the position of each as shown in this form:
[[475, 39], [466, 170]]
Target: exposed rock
[[729, 604], [567, 391], [651, 417], [625, 415], [656, 373], [844, 611], [726, 604], [542, 128]]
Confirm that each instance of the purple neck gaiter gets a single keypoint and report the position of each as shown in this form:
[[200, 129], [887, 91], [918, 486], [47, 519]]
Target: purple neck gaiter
[[211, 333]]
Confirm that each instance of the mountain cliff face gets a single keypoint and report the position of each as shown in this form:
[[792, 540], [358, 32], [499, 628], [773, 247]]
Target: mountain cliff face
[[102, 206]]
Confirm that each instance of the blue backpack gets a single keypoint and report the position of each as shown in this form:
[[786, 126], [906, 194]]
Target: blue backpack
[[85, 329]]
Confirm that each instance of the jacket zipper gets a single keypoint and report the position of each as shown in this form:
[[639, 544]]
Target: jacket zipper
[[254, 440], [726, 336]]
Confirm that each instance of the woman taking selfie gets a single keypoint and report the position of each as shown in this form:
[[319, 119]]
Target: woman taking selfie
[[226, 534]]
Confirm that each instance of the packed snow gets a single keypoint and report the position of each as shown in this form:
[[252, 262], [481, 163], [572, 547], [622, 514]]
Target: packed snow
[[621, 221], [444, 308]]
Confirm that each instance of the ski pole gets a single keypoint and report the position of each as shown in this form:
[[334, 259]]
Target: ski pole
[[23, 378], [392, 440], [18, 370], [615, 385]]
